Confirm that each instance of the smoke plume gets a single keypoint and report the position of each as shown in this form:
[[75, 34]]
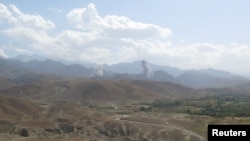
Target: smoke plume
[[147, 69], [97, 72]]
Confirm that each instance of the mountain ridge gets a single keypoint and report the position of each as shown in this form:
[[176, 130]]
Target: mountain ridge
[[99, 90], [203, 78]]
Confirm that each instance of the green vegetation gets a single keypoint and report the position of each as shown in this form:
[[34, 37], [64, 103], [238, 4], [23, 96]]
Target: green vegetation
[[224, 105]]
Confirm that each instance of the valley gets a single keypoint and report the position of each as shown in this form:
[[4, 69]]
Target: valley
[[40, 105], [90, 109]]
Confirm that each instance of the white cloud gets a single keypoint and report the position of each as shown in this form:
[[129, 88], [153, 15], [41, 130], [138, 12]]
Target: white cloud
[[18, 19], [114, 26], [97, 35], [22, 51], [76, 38], [4, 12], [96, 55], [26, 20], [85, 18], [126, 54], [27, 35], [58, 10], [112, 39], [3, 54], [205, 55]]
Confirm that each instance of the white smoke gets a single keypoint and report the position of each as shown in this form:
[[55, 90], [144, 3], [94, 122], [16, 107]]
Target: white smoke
[[147, 69], [97, 71]]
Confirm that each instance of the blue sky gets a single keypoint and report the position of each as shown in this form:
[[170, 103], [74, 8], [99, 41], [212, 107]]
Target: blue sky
[[181, 33]]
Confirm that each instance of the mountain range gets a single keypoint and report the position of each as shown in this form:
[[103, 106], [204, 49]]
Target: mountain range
[[41, 70], [50, 100]]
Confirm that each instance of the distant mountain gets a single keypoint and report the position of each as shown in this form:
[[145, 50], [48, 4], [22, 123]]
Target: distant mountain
[[27, 58], [220, 73], [170, 70], [46, 66], [12, 68], [100, 90], [58, 68], [31, 71], [161, 75], [130, 68], [157, 76], [136, 68], [202, 79]]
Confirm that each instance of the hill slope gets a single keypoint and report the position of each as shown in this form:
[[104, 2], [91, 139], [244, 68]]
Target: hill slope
[[100, 90], [5, 83], [12, 107]]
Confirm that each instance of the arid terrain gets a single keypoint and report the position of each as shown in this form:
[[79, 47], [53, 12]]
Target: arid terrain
[[50, 101], [92, 109]]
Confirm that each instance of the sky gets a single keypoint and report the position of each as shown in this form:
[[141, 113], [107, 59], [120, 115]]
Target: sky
[[188, 34]]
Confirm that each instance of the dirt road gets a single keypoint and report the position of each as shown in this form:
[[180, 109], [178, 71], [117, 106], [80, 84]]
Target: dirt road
[[166, 126]]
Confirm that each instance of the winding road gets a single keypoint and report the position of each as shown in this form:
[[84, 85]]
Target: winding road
[[158, 125], [166, 126]]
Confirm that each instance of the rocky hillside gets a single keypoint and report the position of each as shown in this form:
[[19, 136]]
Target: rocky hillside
[[99, 90]]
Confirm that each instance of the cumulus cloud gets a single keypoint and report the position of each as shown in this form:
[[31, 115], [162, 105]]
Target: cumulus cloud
[[4, 12], [26, 30], [114, 26], [230, 57], [27, 35], [84, 18], [112, 39], [20, 19], [112, 34]]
